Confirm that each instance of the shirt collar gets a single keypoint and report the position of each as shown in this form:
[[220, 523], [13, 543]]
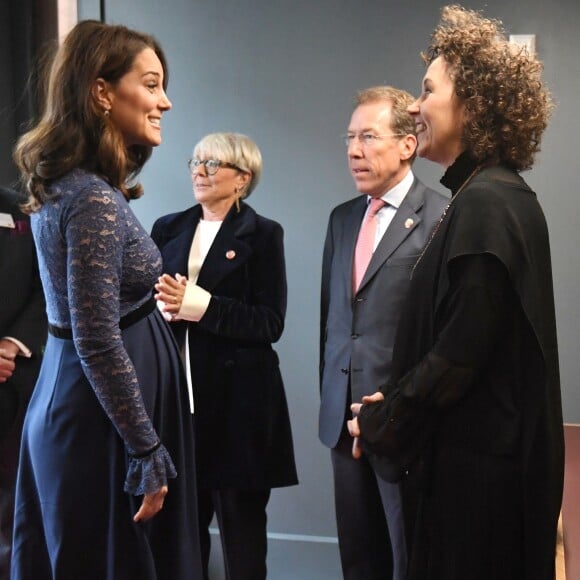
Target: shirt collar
[[395, 196]]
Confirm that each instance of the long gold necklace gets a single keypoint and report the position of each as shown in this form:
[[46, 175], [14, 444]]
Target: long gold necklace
[[445, 211]]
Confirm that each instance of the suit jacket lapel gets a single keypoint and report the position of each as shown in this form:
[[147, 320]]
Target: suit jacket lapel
[[179, 240], [406, 219], [230, 249]]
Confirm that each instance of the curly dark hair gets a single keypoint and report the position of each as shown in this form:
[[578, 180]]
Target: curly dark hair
[[73, 130], [507, 105]]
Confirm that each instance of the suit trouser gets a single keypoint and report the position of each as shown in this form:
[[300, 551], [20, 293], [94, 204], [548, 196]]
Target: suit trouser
[[369, 517], [242, 518]]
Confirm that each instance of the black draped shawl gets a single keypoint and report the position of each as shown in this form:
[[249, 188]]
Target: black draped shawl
[[475, 374]]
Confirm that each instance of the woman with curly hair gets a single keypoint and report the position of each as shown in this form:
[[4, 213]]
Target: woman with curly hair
[[473, 410]]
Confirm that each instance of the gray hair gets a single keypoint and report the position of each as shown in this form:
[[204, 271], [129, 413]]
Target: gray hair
[[233, 148]]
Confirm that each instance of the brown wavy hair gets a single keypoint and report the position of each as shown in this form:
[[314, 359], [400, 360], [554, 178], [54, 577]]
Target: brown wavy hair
[[507, 105], [73, 130]]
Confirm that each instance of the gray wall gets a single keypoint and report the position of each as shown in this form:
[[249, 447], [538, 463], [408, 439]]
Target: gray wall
[[284, 72]]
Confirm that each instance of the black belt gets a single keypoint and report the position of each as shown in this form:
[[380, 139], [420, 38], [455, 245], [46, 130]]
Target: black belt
[[126, 321]]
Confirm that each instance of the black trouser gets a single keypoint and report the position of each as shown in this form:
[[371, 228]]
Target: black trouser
[[241, 517], [9, 447]]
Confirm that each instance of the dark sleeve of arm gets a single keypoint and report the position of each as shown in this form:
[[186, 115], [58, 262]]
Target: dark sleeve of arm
[[261, 317], [325, 294], [156, 232], [471, 318]]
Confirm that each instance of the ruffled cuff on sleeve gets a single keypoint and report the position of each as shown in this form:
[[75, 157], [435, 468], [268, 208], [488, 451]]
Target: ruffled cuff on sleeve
[[150, 473]]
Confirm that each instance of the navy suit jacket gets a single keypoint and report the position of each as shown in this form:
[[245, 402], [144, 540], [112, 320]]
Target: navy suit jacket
[[22, 308], [357, 332]]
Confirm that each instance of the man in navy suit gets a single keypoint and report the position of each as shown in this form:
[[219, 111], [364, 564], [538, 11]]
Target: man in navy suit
[[22, 334], [358, 324]]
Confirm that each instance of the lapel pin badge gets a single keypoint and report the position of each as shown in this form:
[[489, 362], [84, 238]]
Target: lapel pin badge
[[230, 254], [409, 223]]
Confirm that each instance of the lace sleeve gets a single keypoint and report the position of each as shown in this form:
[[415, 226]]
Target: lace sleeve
[[96, 232], [148, 474]]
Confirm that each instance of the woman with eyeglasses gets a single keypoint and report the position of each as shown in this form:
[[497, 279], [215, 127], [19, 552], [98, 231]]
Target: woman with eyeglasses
[[225, 292]]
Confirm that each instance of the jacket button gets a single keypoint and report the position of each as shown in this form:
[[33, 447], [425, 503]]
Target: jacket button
[[354, 335], [229, 364], [344, 371]]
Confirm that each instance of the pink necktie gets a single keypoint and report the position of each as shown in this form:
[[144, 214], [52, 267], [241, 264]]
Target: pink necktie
[[365, 242]]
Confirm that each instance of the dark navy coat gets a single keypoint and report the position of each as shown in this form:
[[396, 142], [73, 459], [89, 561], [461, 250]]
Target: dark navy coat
[[243, 434]]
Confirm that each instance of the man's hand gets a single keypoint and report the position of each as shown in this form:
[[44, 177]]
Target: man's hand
[[8, 353]]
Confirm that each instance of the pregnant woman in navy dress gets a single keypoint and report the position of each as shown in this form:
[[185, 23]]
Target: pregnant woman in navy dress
[[106, 484]]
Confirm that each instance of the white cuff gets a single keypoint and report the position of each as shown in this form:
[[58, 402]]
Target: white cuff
[[24, 350], [195, 303]]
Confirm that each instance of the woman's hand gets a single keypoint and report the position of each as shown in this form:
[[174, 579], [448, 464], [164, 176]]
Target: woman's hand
[[170, 291], [151, 505], [353, 426]]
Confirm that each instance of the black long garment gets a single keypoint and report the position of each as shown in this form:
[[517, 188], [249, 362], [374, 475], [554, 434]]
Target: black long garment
[[474, 410], [243, 432]]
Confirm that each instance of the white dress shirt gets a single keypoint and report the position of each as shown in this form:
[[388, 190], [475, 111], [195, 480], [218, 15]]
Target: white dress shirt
[[393, 199]]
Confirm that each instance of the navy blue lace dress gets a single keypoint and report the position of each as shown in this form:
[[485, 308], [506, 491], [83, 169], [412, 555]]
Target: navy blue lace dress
[[109, 418]]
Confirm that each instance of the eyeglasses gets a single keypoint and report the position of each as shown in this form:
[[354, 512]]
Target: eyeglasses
[[367, 139], [211, 165]]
